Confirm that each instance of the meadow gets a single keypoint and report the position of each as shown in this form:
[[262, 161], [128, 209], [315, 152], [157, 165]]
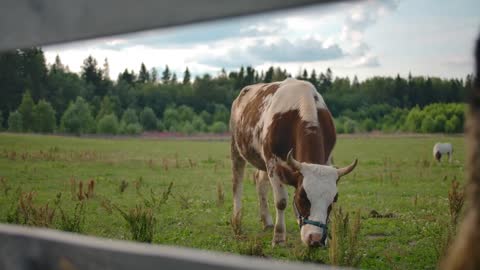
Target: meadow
[[399, 191]]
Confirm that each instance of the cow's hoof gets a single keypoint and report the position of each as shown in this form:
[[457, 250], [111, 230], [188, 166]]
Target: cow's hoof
[[280, 243], [267, 227]]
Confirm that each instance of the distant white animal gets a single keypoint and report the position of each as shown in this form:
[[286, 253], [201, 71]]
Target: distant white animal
[[440, 149]]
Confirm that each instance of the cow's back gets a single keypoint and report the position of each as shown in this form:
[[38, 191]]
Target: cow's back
[[281, 108]]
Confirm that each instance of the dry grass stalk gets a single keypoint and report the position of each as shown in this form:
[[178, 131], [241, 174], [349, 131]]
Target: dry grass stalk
[[123, 186], [138, 184], [177, 162], [80, 194], [456, 199], [192, 163], [165, 164], [220, 194], [90, 189], [29, 214]]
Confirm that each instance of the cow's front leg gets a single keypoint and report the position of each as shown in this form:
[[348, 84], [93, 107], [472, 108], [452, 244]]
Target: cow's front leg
[[262, 185], [281, 197]]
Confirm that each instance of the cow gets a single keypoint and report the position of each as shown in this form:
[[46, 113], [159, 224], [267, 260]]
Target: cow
[[440, 149], [285, 130]]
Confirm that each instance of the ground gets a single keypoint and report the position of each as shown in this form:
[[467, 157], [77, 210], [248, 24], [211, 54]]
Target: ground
[[396, 176]]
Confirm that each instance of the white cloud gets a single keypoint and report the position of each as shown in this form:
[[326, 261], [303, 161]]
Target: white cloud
[[274, 50], [367, 60], [357, 21]]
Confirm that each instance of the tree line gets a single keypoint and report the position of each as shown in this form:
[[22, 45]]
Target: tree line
[[40, 98]]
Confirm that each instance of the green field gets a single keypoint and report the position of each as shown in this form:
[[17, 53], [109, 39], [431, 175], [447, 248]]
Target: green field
[[396, 175]]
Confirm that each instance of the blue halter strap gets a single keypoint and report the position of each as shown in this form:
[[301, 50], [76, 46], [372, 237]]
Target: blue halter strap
[[303, 220]]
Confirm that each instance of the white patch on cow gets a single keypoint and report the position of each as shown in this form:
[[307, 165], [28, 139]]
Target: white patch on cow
[[294, 95], [319, 182]]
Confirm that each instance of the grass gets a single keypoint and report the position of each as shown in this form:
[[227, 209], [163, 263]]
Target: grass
[[402, 195]]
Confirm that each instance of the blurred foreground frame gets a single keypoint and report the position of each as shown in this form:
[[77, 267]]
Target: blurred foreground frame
[[55, 21], [47, 22], [465, 250]]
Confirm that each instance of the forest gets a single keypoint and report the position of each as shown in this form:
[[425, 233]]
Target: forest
[[41, 98]]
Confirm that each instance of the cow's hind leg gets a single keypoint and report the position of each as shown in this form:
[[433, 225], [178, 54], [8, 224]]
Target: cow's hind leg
[[262, 184], [238, 168]]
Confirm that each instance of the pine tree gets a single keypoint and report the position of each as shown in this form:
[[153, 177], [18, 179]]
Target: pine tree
[[305, 74], [269, 75], [355, 82], [174, 78], [154, 75], [186, 76], [90, 72], [143, 75], [57, 65], [313, 78], [166, 75]]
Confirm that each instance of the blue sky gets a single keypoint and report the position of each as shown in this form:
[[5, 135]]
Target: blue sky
[[363, 38]]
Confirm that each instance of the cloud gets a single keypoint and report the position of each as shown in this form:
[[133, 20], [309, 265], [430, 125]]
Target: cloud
[[458, 61], [368, 60], [357, 21], [267, 28], [279, 51]]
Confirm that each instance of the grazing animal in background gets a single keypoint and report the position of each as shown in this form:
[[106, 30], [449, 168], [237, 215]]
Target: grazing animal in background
[[285, 130], [440, 149]]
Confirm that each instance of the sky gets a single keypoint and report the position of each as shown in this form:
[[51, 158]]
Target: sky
[[362, 38]]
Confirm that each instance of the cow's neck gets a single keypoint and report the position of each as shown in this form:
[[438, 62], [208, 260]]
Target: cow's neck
[[310, 145]]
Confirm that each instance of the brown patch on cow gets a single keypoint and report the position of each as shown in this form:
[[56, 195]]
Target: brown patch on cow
[[282, 204], [315, 97], [302, 202], [311, 144], [330, 206], [253, 109], [328, 131], [438, 156], [245, 129], [287, 175]]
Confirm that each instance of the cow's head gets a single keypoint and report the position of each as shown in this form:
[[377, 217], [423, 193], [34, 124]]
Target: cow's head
[[315, 193]]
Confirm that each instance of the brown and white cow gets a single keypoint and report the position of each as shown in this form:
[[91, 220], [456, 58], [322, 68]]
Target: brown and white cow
[[284, 129]]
